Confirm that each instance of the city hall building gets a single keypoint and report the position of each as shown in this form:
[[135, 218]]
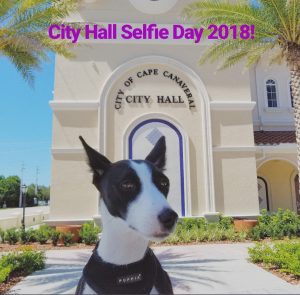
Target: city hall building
[[230, 136]]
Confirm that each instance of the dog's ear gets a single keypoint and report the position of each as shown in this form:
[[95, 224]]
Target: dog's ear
[[97, 162], [158, 155]]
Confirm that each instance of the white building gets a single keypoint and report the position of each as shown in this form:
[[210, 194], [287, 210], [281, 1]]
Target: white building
[[233, 152]]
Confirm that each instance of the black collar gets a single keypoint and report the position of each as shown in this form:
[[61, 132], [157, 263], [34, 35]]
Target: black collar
[[135, 278]]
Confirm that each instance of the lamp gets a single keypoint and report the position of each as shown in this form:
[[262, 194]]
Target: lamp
[[24, 188]]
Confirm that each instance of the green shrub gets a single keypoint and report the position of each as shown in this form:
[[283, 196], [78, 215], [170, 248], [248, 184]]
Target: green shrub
[[189, 223], [26, 261], [255, 233], [28, 236], [284, 255], [46, 228], [67, 238], [31, 233], [225, 222], [191, 230], [4, 273], [55, 235], [89, 233], [12, 236], [260, 252], [24, 237], [276, 225], [43, 234]]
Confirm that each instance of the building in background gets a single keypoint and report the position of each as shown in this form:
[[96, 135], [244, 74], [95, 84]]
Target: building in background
[[230, 137]]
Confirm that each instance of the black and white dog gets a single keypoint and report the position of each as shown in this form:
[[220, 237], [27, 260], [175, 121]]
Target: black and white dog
[[134, 210]]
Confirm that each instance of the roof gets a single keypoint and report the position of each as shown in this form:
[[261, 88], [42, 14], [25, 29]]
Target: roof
[[274, 137]]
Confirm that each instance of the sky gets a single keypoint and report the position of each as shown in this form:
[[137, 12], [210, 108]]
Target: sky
[[26, 122]]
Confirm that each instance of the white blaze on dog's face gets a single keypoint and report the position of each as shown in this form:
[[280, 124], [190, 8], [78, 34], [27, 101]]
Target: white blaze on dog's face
[[145, 213], [136, 191]]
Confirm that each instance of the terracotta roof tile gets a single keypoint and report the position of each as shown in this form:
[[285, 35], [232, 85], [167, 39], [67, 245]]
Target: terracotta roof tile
[[274, 137]]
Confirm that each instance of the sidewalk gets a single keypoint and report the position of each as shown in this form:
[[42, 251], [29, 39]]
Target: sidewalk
[[201, 269]]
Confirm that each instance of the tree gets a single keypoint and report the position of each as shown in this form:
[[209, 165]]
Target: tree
[[44, 193], [10, 191], [30, 195], [277, 30], [23, 32]]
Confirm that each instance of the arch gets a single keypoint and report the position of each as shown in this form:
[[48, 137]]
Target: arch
[[181, 151], [280, 184], [205, 114], [276, 158]]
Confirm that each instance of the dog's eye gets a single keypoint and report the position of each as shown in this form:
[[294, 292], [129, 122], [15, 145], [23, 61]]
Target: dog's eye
[[128, 186], [164, 183]]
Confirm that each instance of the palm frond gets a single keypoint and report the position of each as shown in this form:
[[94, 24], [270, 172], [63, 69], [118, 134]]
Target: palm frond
[[6, 7], [277, 22], [23, 31], [25, 62], [206, 12], [276, 10], [293, 11]]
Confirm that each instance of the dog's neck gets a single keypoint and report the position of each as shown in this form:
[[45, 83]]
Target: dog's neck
[[119, 244]]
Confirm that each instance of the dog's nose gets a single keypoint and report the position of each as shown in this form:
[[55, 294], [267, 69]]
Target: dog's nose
[[168, 218]]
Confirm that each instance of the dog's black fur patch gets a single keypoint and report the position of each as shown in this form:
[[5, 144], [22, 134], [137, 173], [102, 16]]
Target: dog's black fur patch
[[158, 155], [119, 184]]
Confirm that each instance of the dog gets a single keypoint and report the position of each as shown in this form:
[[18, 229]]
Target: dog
[[134, 211]]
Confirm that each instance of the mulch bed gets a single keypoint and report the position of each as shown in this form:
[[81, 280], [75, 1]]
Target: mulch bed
[[290, 278], [200, 243], [77, 246], [36, 246], [13, 280]]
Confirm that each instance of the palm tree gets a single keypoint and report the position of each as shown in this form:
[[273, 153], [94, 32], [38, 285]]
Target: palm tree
[[277, 30], [23, 32]]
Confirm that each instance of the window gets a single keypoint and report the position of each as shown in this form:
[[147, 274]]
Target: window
[[271, 93], [291, 95]]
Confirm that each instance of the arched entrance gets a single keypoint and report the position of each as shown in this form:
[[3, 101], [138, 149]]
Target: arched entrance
[[141, 140], [277, 178], [263, 194], [157, 88]]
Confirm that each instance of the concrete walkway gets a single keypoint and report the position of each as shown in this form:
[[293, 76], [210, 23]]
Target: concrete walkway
[[201, 269]]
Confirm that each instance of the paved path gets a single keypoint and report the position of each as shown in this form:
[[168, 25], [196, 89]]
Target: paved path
[[29, 210], [201, 269]]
